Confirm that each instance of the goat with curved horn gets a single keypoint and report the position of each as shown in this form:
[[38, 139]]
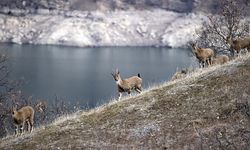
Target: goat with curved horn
[[239, 44], [128, 84], [22, 116], [204, 55]]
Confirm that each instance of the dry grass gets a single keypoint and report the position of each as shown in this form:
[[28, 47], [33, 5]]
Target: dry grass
[[208, 109]]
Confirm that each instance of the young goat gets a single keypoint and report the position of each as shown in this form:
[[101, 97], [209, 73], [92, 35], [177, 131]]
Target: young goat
[[179, 74], [25, 114], [204, 55], [127, 85], [221, 59], [41, 106], [239, 44]]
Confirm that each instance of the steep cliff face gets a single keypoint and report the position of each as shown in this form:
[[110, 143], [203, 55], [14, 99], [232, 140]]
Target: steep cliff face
[[174, 5], [28, 4], [115, 23], [117, 28]]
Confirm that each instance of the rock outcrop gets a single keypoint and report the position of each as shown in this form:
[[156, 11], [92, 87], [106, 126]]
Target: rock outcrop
[[89, 5], [121, 28]]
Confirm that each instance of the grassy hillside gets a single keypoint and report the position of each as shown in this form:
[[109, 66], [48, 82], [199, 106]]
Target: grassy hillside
[[209, 109]]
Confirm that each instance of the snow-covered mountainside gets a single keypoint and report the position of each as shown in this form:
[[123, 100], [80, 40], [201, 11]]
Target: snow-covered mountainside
[[116, 28]]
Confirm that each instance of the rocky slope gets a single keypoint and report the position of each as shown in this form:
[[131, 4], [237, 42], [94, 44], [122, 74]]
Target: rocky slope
[[118, 28], [88, 5], [177, 5], [63, 22], [209, 109], [103, 22]]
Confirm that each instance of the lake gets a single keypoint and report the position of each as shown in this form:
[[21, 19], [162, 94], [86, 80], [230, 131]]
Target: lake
[[83, 75]]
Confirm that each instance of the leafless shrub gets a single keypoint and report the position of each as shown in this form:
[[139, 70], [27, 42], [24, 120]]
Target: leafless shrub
[[230, 22]]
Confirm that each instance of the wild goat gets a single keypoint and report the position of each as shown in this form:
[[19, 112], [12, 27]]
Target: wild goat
[[221, 59], [127, 85], [179, 74], [204, 55], [41, 106], [239, 44], [25, 114]]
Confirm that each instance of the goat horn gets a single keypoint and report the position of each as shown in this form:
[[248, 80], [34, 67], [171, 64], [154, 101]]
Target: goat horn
[[117, 71]]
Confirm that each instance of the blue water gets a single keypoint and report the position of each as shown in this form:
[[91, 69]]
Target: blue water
[[83, 75]]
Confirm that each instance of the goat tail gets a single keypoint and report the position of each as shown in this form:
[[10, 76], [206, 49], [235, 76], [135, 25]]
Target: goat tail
[[139, 75]]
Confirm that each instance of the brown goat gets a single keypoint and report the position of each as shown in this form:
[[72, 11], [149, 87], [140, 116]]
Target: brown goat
[[127, 85], [239, 44], [221, 59], [25, 114], [204, 55], [179, 74], [41, 106]]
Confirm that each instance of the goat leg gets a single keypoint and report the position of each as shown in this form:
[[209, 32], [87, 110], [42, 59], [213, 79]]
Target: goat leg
[[208, 62], [203, 64], [28, 126], [120, 95], [31, 125], [21, 128], [129, 93], [138, 90], [16, 130]]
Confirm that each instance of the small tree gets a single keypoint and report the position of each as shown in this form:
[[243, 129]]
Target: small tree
[[230, 22]]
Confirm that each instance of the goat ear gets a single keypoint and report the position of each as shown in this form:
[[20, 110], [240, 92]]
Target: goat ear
[[10, 110], [192, 44], [195, 44], [229, 37], [13, 109]]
